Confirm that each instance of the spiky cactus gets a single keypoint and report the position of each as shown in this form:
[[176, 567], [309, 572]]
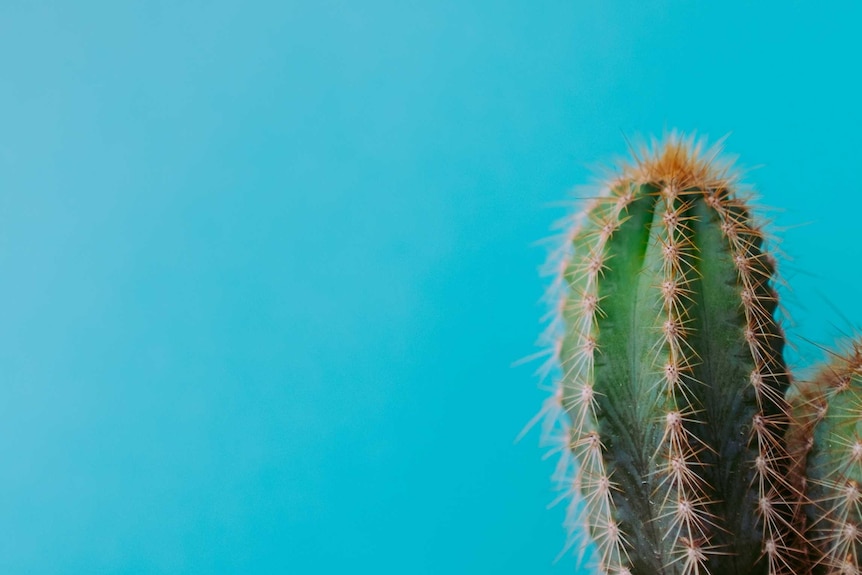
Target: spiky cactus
[[827, 443], [673, 377]]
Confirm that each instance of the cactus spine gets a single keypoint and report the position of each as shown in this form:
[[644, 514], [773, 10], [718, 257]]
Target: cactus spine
[[673, 377], [828, 441]]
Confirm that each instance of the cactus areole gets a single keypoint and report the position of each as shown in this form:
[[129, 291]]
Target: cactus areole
[[672, 375]]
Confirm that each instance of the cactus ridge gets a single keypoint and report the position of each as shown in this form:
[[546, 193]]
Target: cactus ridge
[[672, 378]]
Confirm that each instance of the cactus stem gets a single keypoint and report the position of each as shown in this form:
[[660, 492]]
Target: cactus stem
[[668, 391]]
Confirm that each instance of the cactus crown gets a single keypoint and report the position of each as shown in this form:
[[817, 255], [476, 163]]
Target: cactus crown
[[672, 388], [677, 161]]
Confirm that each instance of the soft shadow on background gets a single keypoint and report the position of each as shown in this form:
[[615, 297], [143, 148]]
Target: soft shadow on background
[[264, 267]]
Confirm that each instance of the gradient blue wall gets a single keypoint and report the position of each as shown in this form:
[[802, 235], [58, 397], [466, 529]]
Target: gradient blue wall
[[264, 266]]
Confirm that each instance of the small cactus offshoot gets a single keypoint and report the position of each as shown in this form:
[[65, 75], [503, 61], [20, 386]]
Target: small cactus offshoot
[[673, 381], [827, 444]]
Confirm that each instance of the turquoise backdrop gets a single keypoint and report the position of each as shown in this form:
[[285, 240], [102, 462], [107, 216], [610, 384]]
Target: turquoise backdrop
[[265, 266]]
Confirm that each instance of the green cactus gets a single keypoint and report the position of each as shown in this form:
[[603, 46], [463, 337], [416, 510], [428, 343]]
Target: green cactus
[[827, 444], [673, 377]]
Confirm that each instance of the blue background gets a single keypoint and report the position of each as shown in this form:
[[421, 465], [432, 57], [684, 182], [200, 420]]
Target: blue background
[[264, 267]]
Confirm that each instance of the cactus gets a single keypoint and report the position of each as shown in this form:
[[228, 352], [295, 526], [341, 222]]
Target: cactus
[[827, 444], [672, 375]]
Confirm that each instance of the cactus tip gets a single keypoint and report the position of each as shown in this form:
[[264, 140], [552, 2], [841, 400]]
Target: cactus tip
[[681, 160]]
